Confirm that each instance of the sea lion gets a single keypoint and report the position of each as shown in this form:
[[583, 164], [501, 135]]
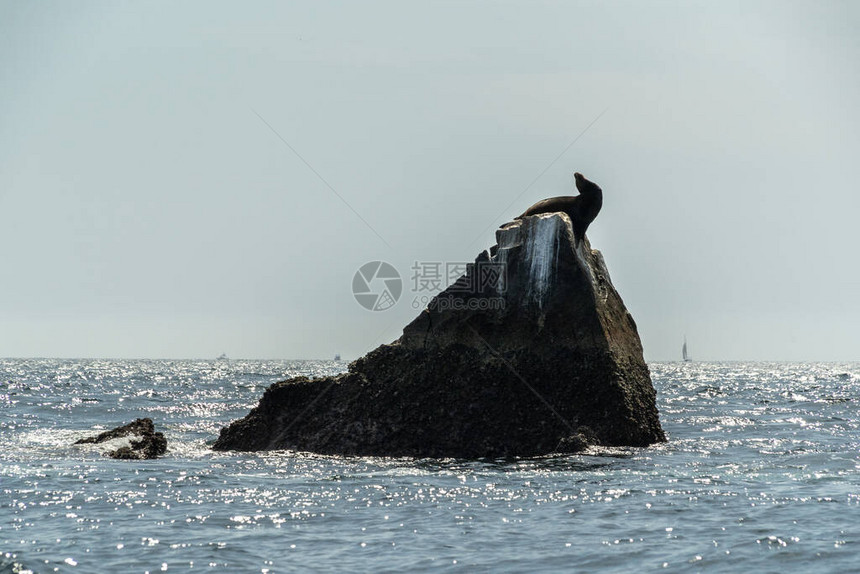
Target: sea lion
[[582, 208]]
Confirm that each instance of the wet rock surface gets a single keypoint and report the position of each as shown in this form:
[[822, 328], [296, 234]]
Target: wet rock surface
[[531, 352], [144, 443]]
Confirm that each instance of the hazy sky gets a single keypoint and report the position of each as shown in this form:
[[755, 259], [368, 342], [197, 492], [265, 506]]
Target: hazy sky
[[148, 210]]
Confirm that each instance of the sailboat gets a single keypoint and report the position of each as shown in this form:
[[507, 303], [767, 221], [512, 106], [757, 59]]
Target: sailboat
[[684, 354]]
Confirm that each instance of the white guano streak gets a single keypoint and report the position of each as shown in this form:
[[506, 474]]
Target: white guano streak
[[508, 238], [542, 253]]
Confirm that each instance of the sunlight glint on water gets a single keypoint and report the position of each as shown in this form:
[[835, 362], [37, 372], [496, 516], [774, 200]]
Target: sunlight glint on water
[[761, 473]]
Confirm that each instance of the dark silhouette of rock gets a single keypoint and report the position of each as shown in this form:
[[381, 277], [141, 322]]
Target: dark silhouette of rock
[[531, 352], [146, 444]]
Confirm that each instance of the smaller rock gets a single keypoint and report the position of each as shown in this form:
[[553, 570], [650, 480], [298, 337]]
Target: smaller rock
[[577, 442], [145, 444]]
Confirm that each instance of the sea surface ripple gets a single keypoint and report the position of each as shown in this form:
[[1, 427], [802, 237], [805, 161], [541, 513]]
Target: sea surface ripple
[[761, 473]]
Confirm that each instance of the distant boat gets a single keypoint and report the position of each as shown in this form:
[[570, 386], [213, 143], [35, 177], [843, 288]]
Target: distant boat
[[684, 354], [222, 357], [337, 357]]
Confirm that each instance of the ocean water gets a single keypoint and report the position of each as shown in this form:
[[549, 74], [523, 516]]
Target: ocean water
[[761, 474]]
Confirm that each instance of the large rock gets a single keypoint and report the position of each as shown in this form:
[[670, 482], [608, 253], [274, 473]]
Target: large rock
[[141, 441], [530, 352]]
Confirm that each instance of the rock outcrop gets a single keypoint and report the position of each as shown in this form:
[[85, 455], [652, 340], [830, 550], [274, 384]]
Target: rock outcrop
[[530, 352], [142, 440]]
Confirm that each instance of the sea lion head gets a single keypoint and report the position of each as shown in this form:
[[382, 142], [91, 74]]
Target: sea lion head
[[583, 185]]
